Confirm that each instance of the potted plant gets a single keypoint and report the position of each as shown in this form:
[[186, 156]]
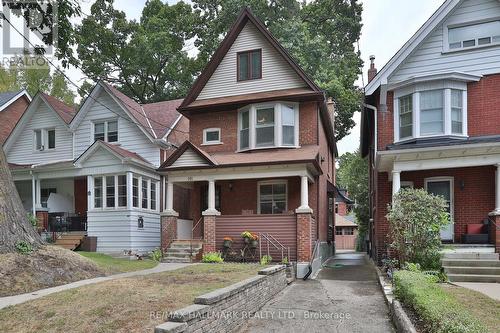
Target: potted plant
[[254, 241], [247, 236], [228, 241]]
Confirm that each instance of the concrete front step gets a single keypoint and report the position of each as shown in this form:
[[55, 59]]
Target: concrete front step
[[472, 270], [178, 254], [474, 278], [184, 246], [183, 250], [469, 248], [176, 259], [470, 256], [470, 263]]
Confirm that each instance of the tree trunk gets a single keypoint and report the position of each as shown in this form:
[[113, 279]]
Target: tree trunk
[[14, 224]]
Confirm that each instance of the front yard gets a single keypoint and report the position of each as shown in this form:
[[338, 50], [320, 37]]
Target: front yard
[[135, 304], [112, 265]]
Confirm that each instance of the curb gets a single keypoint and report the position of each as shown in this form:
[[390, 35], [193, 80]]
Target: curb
[[399, 316]]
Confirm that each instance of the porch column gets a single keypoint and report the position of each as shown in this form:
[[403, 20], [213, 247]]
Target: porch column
[[211, 200], [130, 189], [497, 189], [38, 193], [304, 196], [396, 182], [209, 217], [33, 193], [90, 193], [494, 227], [168, 219]]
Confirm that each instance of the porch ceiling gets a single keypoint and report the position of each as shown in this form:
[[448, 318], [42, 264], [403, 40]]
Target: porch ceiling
[[439, 157]]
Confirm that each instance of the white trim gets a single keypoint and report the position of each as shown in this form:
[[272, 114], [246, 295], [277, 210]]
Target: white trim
[[15, 98], [170, 129], [432, 77], [215, 142], [451, 181], [439, 16], [272, 182], [450, 25]]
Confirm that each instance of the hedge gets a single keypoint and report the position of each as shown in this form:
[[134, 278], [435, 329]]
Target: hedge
[[439, 311]]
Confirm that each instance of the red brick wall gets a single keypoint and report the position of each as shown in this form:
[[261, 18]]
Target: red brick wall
[[483, 106], [471, 204], [385, 123]]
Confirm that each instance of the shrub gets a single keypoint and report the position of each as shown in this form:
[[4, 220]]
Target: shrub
[[156, 255], [439, 311], [33, 220], [265, 259], [415, 220], [212, 257], [24, 247]]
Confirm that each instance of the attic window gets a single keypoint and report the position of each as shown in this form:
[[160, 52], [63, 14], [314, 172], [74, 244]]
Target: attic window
[[249, 65], [106, 131], [474, 35]]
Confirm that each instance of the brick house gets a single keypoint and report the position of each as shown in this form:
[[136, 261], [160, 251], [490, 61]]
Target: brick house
[[261, 150], [12, 106], [431, 120]]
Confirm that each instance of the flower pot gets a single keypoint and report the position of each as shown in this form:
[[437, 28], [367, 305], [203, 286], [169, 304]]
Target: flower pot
[[254, 244], [247, 240], [227, 243]]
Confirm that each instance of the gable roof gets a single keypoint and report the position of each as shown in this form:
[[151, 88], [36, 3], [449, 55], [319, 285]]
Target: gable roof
[[119, 152], [66, 112], [409, 47], [245, 16], [344, 221], [163, 115], [187, 145], [10, 116]]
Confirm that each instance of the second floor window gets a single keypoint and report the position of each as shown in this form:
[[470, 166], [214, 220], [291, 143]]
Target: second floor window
[[474, 35], [211, 136], [249, 65], [106, 131], [405, 116], [45, 139], [268, 125]]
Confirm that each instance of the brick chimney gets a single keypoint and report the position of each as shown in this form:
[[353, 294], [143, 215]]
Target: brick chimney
[[331, 110], [372, 72]]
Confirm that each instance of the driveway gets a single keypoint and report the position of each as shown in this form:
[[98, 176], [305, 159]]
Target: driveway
[[345, 297]]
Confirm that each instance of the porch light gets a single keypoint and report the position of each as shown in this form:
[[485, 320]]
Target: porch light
[[462, 184], [140, 222], [230, 186]]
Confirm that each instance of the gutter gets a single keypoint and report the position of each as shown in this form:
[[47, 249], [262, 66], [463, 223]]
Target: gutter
[[375, 111]]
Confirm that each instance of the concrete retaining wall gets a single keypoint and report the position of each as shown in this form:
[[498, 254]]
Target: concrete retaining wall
[[223, 310]]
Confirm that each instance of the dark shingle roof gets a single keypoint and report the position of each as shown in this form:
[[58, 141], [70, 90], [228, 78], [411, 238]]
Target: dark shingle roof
[[7, 96], [444, 141]]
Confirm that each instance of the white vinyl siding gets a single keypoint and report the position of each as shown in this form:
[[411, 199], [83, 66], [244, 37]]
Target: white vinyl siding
[[276, 72], [189, 158], [130, 138], [431, 55], [23, 151]]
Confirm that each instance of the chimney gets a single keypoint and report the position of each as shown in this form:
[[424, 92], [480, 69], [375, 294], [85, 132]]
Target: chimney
[[372, 72], [331, 109]]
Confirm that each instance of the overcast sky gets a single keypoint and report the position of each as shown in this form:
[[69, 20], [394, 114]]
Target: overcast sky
[[387, 25]]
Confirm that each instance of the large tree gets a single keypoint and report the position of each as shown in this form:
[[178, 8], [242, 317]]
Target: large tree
[[352, 174], [148, 59]]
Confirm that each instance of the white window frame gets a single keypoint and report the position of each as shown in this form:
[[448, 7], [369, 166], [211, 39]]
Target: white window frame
[[278, 128], [105, 122], [214, 142], [446, 86], [450, 25], [44, 136], [272, 182]]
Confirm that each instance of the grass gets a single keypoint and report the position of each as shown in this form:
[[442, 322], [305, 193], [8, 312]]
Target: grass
[[117, 265], [437, 309], [135, 304]]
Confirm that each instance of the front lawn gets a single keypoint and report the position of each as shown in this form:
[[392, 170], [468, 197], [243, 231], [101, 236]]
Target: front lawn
[[117, 265], [443, 308], [134, 304]]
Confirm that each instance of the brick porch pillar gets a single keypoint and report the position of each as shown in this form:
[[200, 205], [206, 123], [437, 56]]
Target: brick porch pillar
[[209, 233], [43, 219], [304, 241], [494, 231], [168, 229]]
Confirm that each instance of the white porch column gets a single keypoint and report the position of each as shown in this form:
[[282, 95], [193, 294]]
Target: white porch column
[[33, 193], [497, 189], [130, 189], [169, 206], [38, 193], [304, 196], [90, 193], [163, 193], [396, 181], [211, 199]]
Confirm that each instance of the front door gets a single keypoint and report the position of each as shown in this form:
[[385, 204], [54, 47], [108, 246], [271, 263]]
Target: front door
[[444, 188]]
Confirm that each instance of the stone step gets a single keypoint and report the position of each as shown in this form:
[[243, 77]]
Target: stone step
[[175, 259], [470, 248], [474, 278], [185, 245], [183, 250], [178, 255], [470, 263], [472, 270], [474, 256]]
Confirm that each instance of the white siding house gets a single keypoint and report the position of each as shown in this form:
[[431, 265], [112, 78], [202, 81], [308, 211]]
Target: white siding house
[[99, 165]]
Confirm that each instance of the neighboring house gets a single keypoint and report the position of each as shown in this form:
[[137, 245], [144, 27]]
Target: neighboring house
[[346, 232], [261, 154], [12, 106], [96, 167], [343, 205], [432, 121]]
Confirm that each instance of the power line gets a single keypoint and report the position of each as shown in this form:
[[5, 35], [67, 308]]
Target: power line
[[143, 114]]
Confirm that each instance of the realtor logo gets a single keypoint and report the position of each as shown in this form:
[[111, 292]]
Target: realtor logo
[[29, 27]]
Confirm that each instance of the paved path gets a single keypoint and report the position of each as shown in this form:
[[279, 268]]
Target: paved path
[[345, 297], [491, 290], [17, 299]]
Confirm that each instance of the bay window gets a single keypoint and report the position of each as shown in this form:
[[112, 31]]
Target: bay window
[[98, 192], [110, 191], [144, 194], [268, 125], [430, 110]]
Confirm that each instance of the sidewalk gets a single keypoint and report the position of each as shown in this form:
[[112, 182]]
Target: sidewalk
[[345, 297], [17, 299], [491, 290]]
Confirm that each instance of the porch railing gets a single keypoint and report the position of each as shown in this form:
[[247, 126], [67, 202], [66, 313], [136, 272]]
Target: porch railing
[[272, 241], [67, 223]]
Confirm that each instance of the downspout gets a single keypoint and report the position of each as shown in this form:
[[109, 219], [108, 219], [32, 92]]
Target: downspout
[[375, 111]]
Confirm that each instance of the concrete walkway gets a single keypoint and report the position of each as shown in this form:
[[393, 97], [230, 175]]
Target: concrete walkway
[[491, 290], [17, 299], [345, 297]]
